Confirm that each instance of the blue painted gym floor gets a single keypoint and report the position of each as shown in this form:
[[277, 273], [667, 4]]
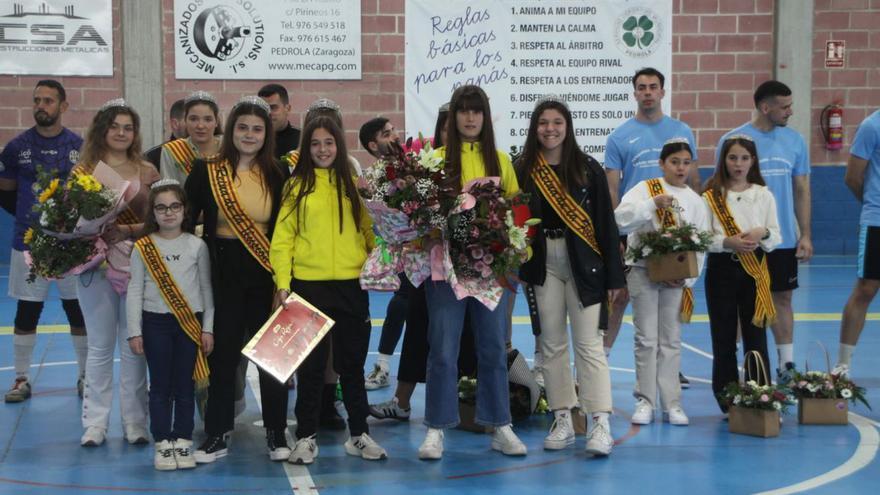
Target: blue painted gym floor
[[40, 452]]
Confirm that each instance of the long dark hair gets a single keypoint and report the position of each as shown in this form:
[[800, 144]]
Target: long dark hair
[[573, 158], [441, 125], [95, 145], [720, 179], [304, 173], [151, 225], [265, 159], [466, 98], [208, 103]]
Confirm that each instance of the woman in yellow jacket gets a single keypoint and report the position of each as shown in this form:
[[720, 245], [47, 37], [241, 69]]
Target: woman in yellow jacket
[[322, 238], [470, 153]]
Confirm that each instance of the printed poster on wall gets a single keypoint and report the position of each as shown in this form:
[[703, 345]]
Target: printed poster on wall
[[520, 50], [56, 37], [254, 39]]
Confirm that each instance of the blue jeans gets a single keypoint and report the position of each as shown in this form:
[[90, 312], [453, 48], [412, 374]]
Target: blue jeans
[[171, 358], [445, 323]]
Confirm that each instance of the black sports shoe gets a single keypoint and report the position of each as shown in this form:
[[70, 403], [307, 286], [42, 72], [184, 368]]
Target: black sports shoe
[[330, 418], [685, 383], [213, 448], [276, 441]]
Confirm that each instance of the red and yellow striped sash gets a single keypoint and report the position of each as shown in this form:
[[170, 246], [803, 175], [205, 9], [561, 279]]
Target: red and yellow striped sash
[[182, 153], [177, 303], [563, 204], [765, 311], [667, 219], [254, 240]]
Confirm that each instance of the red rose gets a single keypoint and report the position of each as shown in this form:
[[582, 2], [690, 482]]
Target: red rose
[[390, 173], [521, 213], [496, 247]]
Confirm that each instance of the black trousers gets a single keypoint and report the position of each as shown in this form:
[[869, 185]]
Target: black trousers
[[414, 351], [730, 298], [243, 301], [349, 306]]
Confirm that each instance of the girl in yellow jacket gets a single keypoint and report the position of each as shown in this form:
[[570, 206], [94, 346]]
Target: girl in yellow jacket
[[322, 238]]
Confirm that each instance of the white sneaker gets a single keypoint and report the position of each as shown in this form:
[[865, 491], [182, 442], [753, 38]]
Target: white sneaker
[[506, 441], [183, 454], [93, 436], [136, 434], [841, 370], [676, 416], [561, 431], [599, 441], [365, 447], [163, 459], [432, 447], [376, 379], [304, 452], [389, 410], [643, 414]]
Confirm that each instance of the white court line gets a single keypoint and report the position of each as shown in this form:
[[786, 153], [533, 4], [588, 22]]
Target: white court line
[[697, 350], [869, 440], [298, 476], [46, 365]]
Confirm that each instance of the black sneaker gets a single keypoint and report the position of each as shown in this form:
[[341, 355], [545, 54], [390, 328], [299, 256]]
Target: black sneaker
[[213, 448], [685, 383], [330, 418], [276, 441]]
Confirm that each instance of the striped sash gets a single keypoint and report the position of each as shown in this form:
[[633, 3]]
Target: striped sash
[[254, 240], [182, 153], [667, 219], [177, 303], [765, 311]]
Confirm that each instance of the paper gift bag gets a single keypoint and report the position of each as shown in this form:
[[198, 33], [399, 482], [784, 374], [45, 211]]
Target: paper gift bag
[[755, 422], [822, 411], [672, 266]]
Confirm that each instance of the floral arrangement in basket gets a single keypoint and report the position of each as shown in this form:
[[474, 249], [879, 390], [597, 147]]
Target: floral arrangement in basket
[[755, 396], [65, 238], [823, 385], [53, 244], [489, 234], [670, 240]]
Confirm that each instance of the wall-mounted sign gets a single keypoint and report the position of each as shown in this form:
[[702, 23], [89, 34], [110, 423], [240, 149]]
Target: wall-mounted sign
[[835, 54]]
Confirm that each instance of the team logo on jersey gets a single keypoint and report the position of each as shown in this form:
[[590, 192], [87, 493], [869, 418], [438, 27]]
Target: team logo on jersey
[[213, 33], [24, 156], [638, 32], [73, 156]]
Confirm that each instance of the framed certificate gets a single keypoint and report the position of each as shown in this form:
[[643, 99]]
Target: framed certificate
[[281, 345]]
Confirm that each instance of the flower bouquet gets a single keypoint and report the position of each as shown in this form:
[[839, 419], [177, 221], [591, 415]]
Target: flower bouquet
[[404, 196], [670, 252], [822, 397], [486, 241], [65, 237], [754, 408]]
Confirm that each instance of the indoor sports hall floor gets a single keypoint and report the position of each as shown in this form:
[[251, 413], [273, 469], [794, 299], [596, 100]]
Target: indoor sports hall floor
[[40, 452]]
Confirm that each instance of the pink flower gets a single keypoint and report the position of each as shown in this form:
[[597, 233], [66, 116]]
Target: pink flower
[[765, 398], [488, 258], [477, 253]]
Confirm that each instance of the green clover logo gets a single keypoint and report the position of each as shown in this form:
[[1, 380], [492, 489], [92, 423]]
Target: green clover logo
[[638, 31]]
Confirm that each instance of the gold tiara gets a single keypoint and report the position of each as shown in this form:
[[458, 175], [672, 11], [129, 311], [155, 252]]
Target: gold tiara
[[199, 96], [252, 100]]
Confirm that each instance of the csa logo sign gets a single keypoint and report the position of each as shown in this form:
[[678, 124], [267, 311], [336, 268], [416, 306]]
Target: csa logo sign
[[219, 37]]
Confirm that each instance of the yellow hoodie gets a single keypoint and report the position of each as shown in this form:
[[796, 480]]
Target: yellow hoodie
[[472, 167], [316, 250]]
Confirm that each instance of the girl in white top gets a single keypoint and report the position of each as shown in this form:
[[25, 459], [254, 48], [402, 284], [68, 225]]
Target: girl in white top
[[656, 305], [155, 330], [732, 293]]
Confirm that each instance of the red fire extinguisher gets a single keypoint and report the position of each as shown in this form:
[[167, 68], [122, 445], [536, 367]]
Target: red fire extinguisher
[[831, 123]]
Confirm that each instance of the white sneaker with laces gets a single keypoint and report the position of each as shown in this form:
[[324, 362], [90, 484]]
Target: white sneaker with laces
[[599, 441], [841, 370], [365, 447], [136, 434], [561, 431], [643, 414], [432, 446], [93, 436], [676, 416], [389, 410], [163, 459], [304, 452], [376, 379], [183, 454], [506, 441]]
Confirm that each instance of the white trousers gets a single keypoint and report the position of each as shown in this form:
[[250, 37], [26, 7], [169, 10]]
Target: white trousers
[[556, 299], [657, 339], [104, 312]]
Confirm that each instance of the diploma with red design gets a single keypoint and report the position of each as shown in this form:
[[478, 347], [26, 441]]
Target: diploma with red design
[[287, 338]]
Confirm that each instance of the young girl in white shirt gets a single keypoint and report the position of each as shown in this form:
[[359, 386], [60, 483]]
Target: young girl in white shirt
[[656, 306], [745, 227]]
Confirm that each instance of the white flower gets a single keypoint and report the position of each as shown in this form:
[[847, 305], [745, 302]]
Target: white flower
[[44, 219], [812, 387], [777, 405], [846, 393], [430, 161], [646, 251], [737, 399]]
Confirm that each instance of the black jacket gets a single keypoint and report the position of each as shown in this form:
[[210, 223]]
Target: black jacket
[[286, 140], [593, 275], [200, 201]]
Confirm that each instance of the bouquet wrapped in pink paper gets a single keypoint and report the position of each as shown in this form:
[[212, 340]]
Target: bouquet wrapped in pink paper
[[403, 193], [65, 239]]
